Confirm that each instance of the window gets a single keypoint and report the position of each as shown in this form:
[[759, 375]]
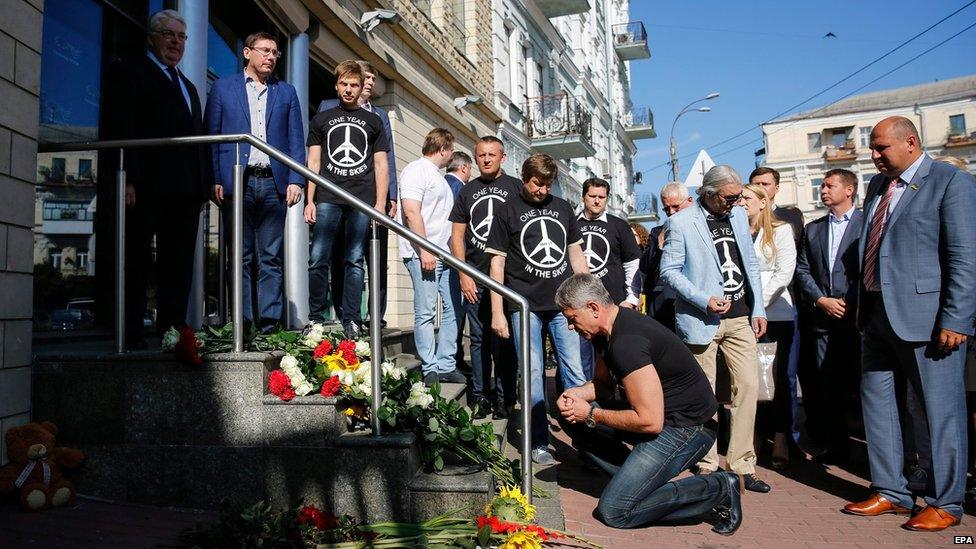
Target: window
[[58, 211], [85, 168], [838, 138], [814, 142], [56, 260], [81, 261], [864, 137], [57, 170], [815, 190], [957, 124], [538, 88], [513, 70], [423, 6], [457, 21]]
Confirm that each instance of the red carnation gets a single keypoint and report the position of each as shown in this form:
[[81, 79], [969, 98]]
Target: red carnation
[[280, 385], [186, 347], [322, 349], [347, 344], [350, 356], [330, 387]]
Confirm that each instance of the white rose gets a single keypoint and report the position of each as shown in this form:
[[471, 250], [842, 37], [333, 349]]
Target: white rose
[[422, 400], [363, 373], [170, 339], [304, 388], [315, 335], [392, 371], [288, 361], [363, 349], [346, 377], [365, 387]]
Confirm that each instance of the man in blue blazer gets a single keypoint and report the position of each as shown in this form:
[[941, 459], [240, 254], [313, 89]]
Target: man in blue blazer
[[381, 231], [710, 262], [256, 102], [827, 277], [917, 308]]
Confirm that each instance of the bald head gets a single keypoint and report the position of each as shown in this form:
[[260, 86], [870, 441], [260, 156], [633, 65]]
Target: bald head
[[895, 145]]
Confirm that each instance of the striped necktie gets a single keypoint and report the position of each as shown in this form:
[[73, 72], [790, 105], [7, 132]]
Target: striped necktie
[[879, 220]]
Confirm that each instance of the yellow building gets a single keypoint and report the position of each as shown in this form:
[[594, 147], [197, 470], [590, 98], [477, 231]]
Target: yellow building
[[805, 146]]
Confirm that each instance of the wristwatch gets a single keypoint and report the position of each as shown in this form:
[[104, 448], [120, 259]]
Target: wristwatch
[[590, 420]]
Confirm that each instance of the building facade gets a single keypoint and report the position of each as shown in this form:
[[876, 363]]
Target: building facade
[[805, 146], [562, 86]]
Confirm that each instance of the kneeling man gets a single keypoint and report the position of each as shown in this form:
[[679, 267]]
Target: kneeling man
[[668, 416]]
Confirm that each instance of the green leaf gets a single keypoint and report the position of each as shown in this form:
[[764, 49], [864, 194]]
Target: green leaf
[[466, 434], [433, 425], [484, 536], [289, 337], [439, 463]]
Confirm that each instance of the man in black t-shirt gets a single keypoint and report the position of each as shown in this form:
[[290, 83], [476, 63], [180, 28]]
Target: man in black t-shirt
[[668, 416], [347, 145], [533, 242], [474, 209], [611, 252]]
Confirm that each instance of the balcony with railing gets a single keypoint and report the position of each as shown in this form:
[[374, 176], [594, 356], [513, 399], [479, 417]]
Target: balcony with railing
[[559, 125], [639, 123], [842, 153], [630, 41], [558, 8], [960, 138]]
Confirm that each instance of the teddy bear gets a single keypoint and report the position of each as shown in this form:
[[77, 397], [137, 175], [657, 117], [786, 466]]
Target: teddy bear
[[36, 467]]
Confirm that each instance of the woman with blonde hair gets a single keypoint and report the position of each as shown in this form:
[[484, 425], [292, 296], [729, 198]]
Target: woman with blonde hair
[[776, 251]]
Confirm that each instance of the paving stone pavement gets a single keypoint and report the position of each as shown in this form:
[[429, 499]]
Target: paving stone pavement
[[802, 510]]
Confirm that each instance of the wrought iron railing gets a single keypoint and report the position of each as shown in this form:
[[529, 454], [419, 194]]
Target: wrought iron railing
[[557, 115], [631, 33]]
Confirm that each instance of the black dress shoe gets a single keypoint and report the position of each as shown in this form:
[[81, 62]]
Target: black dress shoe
[[755, 484], [430, 379], [730, 514], [482, 408], [350, 330], [501, 411], [453, 376]]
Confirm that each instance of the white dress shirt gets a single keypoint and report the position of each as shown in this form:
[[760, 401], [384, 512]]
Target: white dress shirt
[[837, 228], [162, 67], [257, 106], [903, 181]]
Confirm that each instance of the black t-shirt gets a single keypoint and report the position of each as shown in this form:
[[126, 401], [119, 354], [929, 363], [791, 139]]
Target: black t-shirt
[[637, 340], [607, 245], [476, 205], [348, 139], [535, 240], [733, 270]]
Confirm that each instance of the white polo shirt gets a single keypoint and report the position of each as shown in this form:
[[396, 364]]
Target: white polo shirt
[[421, 180]]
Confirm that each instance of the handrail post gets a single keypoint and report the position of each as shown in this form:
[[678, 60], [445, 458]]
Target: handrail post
[[221, 269], [237, 200], [375, 335], [120, 254], [525, 365]]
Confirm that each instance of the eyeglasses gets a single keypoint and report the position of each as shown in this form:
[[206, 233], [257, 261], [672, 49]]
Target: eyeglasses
[[170, 35], [268, 52], [732, 199]]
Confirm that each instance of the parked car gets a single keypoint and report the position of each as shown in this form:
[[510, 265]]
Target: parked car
[[71, 319]]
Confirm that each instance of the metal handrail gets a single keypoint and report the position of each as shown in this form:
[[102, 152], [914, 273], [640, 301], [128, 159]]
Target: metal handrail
[[238, 257]]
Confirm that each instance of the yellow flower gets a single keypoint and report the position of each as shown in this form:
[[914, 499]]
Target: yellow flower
[[355, 410], [335, 363], [515, 493], [522, 540]]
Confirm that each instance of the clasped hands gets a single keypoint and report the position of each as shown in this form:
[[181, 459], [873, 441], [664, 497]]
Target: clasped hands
[[573, 407]]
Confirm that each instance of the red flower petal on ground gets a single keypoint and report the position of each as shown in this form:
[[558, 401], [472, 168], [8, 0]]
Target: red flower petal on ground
[[322, 349], [278, 383], [330, 387]]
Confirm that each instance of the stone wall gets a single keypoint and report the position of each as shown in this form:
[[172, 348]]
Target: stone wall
[[20, 77]]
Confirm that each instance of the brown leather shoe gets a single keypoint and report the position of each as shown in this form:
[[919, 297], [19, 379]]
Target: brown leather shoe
[[874, 506], [931, 519]]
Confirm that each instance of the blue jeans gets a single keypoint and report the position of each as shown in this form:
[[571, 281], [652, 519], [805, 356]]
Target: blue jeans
[[567, 349], [332, 219], [642, 490], [587, 357], [264, 229], [426, 287], [488, 349]]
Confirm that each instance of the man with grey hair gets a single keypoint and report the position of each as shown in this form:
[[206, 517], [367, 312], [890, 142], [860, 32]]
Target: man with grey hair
[[660, 298], [710, 262], [667, 417], [457, 176], [149, 97]]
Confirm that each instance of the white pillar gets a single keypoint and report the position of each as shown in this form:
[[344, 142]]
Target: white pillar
[[296, 231], [194, 67]]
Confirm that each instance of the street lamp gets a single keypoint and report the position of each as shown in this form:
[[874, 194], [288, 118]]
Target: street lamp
[[674, 147]]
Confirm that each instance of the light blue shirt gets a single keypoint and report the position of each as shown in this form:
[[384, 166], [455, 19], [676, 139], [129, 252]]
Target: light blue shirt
[[903, 181], [836, 234], [257, 105], [162, 67]]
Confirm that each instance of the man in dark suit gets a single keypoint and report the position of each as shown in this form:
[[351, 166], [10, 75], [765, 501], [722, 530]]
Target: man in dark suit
[[660, 298], [255, 101], [827, 278], [916, 308], [382, 233], [148, 97], [457, 176], [769, 179]]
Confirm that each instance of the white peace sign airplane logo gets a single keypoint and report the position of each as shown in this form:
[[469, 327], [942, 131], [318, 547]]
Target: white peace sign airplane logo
[[596, 250], [733, 275], [552, 251], [481, 228], [346, 154]]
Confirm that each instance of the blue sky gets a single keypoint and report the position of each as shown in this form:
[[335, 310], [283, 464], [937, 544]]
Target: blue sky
[[764, 57]]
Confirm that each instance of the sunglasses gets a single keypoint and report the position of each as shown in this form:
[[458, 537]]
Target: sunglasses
[[732, 199]]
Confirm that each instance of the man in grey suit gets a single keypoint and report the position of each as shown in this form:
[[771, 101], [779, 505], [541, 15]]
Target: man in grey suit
[[917, 306], [828, 273]]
